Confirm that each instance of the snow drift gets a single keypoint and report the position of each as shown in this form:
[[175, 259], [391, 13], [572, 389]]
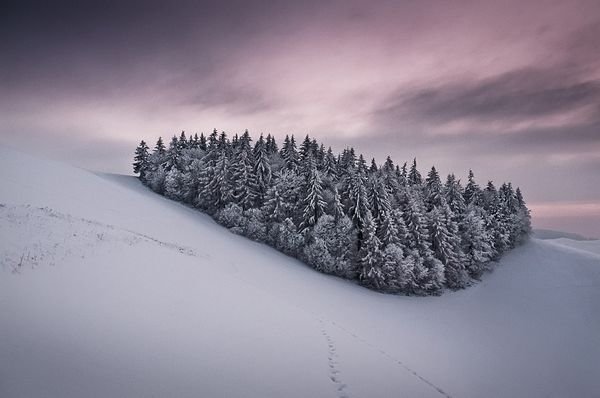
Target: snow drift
[[107, 289]]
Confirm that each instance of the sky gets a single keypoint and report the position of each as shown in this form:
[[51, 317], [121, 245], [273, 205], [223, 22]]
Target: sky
[[510, 89]]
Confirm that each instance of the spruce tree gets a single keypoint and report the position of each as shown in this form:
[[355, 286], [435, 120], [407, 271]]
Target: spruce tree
[[373, 168], [242, 175], [414, 177], [172, 155], [140, 160], [262, 170], [219, 188], [370, 257], [473, 193], [433, 190], [329, 165], [275, 208], [305, 150], [388, 167], [454, 197], [431, 279], [475, 244], [524, 217], [445, 243], [337, 206], [160, 147], [182, 143], [289, 154], [314, 205], [356, 200]]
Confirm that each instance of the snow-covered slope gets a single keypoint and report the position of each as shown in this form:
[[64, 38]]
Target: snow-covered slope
[[109, 290], [551, 234], [588, 246]]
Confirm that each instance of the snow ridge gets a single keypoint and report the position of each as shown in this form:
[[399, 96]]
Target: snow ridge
[[69, 236]]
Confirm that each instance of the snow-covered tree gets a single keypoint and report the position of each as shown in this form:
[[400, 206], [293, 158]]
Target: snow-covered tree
[[262, 170], [475, 244], [174, 184], [141, 163], [433, 190], [289, 154], [243, 178], [473, 194], [370, 256], [313, 203], [445, 243], [414, 177]]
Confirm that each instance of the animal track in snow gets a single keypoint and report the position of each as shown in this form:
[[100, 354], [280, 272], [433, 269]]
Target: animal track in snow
[[392, 358], [334, 372]]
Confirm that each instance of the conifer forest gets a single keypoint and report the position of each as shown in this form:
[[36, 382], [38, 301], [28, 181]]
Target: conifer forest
[[383, 225]]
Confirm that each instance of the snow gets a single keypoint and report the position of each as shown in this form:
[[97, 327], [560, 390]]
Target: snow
[[123, 293], [551, 234], [588, 246]]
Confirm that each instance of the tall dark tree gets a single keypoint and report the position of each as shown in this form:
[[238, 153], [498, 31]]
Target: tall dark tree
[[446, 246], [414, 177], [314, 205], [242, 174], [140, 160], [262, 170], [160, 147], [289, 154], [434, 195], [473, 194], [453, 193], [370, 256]]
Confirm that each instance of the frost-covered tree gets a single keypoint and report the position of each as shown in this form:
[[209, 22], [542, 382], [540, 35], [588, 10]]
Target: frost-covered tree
[[271, 145], [475, 244], [156, 181], [191, 180], [262, 170], [453, 194], [160, 147], [414, 177], [523, 217], [182, 143], [434, 195], [330, 250], [141, 163], [446, 246], [286, 238], [473, 194], [174, 184], [243, 179], [219, 189], [381, 208], [337, 208], [356, 200], [306, 151], [172, 155], [431, 281], [313, 203], [289, 154], [370, 256], [232, 217]]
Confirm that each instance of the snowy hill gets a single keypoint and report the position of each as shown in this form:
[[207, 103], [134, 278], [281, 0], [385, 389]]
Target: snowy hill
[[552, 234], [109, 290]]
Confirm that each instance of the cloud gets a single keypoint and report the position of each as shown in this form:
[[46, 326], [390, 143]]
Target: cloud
[[513, 96]]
